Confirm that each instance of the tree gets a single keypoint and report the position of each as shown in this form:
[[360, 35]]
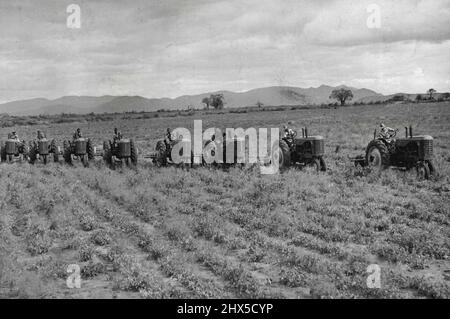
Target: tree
[[216, 101], [430, 93], [341, 95], [206, 102], [398, 98], [259, 104], [419, 98], [446, 96]]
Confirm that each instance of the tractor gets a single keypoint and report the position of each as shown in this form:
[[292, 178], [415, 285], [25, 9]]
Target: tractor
[[120, 151], [13, 150], [80, 148], [302, 151], [407, 153], [163, 152], [43, 149], [164, 149], [230, 151]]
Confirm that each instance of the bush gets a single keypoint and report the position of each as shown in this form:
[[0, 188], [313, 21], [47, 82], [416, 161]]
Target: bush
[[37, 239]]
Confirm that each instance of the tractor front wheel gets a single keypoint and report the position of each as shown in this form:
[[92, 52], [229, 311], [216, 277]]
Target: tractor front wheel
[[423, 171], [85, 160], [377, 155], [432, 168], [134, 153]]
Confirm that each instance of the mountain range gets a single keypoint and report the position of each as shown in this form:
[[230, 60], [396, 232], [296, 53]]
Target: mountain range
[[269, 96]]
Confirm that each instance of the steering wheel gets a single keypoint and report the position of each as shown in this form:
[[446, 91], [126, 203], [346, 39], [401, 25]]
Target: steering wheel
[[393, 134]]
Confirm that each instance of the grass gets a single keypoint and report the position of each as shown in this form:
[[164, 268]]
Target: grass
[[204, 233]]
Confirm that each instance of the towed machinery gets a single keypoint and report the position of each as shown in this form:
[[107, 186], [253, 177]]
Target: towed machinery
[[13, 150], [407, 153], [302, 151], [43, 149], [79, 149], [120, 151]]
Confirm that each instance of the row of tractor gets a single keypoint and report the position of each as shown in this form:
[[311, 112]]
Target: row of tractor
[[78, 149], [385, 150]]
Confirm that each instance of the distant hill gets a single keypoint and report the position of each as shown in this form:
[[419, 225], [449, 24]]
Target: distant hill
[[269, 96]]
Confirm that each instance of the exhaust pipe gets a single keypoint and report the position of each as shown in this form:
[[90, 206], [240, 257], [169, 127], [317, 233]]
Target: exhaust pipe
[[410, 131], [303, 132], [406, 131], [306, 132], [375, 134]]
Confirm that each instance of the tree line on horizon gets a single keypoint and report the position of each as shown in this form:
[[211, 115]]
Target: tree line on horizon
[[341, 95]]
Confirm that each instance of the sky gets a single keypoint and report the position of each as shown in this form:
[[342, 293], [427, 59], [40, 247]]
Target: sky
[[169, 48]]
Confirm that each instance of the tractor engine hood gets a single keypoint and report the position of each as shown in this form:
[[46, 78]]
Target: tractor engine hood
[[416, 138]]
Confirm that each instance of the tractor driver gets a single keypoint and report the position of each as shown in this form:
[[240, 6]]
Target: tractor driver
[[387, 132], [117, 135], [77, 134], [40, 135], [14, 136], [169, 138], [289, 134]]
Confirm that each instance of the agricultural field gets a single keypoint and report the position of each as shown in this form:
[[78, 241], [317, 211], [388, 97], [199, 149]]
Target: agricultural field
[[213, 233]]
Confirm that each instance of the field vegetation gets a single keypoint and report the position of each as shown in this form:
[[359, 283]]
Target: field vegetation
[[213, 233]]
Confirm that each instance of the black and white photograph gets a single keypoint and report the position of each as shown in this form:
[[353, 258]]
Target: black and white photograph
[[203, 151]]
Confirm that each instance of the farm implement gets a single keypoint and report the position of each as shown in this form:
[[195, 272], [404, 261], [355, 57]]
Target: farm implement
[[412, 151]]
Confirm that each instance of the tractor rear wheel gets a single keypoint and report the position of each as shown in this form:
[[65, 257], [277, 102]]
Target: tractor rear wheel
[[377, 155], [33, 153], [107, 153], [55, 151], [161, 156], [323, 166], [423, 171], [134, 153], [284, 155], [25, 152], [209, 153], [90, 149], [3, 153], [67, 153]]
